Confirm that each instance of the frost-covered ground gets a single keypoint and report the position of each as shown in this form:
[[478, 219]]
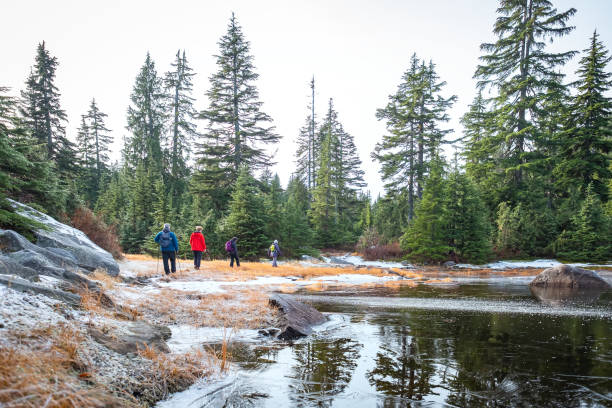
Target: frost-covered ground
[[536, 264]]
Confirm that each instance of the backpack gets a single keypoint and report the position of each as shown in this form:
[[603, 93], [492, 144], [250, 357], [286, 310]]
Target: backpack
[[228, 246], [271, 250], [165, 239]]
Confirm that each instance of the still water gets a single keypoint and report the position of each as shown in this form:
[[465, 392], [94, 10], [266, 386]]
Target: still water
[[478, 343]]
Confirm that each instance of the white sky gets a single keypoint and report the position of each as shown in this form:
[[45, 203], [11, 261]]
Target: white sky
[[357, 51]]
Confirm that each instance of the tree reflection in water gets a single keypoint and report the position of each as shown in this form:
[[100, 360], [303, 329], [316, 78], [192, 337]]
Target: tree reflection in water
[[401, 372], [322, 370]]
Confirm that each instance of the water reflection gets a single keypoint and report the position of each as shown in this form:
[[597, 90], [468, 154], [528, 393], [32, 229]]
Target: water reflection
[[321, 370], [401, 368], [399, 356]]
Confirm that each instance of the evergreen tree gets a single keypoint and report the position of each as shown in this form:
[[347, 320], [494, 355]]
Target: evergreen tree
[[296, 238], [26, 175], [179, 86], [339, 176], [86, 157], [467, 225], [307, 146], [145, 119], [100, 141], [246, 219], [519, 68], [323, 215], [238, 131], [585, 145], [425, 238], [274, 209], [43, 113], [481, 156], [590, 238], [413, 116]]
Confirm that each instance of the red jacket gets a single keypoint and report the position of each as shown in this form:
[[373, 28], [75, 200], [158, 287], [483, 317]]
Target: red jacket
[[197, 242]]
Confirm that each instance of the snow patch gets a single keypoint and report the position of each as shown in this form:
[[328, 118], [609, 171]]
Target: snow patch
[[355, 279], [537, 264]]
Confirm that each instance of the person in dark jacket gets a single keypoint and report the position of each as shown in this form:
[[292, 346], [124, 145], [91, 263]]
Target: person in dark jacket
[[234, 253], [275, 253], [198, 245], [169, 247]]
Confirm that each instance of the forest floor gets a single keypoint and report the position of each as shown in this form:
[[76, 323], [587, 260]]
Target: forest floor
[[66, 367]]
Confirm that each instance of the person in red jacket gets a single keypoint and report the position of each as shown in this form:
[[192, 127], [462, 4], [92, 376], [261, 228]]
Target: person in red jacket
[[198, 245]]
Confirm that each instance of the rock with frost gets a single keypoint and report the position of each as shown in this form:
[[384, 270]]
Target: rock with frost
[[296, 318], [566, 276], [23, 285], [65, 238]]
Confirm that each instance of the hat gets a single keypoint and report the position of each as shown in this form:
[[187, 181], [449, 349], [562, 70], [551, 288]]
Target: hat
[[199, 228]]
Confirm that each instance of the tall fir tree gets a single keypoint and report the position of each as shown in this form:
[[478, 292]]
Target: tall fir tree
[[520, 69], [145, 118], [143, 156], [587, 142], [43, 113], [101, 141], [178, 84], [413, 115], [238, 131], [307, 145]]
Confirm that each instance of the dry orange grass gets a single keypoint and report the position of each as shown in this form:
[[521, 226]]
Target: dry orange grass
[[108, 282], [249, 270], [139, 257], [174, 372], [42, 368], [240, 308]]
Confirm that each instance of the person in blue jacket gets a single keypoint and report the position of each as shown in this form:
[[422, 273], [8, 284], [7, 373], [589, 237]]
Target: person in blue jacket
[[169, 247]]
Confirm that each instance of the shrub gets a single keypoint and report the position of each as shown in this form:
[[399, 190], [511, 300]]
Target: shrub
[[385, 252], [105, 236]]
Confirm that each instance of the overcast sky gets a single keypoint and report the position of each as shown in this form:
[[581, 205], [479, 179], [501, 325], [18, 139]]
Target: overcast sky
[[357, 51]]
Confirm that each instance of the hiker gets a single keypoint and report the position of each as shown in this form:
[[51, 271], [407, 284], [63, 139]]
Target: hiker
[[274, 251], [169, 247], [232, 250], [198, 245]]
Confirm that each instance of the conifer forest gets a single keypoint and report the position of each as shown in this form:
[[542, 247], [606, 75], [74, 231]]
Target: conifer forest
[[528, 174]]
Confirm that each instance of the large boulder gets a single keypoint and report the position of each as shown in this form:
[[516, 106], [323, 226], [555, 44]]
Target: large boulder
[[61, 239], [296, 318], [133, 336], [566, 276]]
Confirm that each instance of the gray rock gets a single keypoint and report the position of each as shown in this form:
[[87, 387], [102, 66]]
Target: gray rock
[[10, 241], [43, 266], [9, 266], [60, 236], [555, 295], [449, 264], [339, 261], [23, 285], [134, 336], [296, 318], [566, 276]]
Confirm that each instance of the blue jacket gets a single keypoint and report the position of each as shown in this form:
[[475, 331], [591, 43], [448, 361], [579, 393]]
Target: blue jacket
[[173, 247]]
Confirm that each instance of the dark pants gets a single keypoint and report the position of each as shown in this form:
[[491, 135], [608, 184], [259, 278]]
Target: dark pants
[[197, 258], [169, 255], [234, 255]]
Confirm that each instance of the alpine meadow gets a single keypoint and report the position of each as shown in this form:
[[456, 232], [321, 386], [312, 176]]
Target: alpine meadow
[[348, 203]]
